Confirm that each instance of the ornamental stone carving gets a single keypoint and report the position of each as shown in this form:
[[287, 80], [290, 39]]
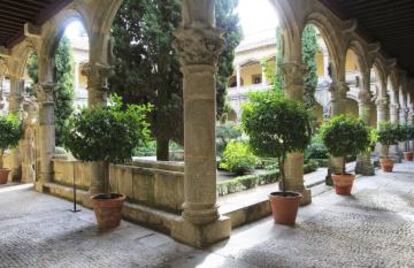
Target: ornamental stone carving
[[365, 96], [338, 90], [45, 92], [198, 45], [97, 74]]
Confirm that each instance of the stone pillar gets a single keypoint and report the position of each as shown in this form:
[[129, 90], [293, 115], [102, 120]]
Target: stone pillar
[[411, 121], [403, 120], [199, 44], [15, 107], [264, 80], [46, 132], [1, 93], [394, 118], [97, 74], [382, 116], [363, 164], [337, 90], [238, 76], [293, 73]]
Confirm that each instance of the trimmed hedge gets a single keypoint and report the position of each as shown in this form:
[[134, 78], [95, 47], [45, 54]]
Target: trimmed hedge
[[310, 166], [242, 183]]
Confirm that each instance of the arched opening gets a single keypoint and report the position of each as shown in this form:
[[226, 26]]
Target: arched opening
[[353, 74], [69, 52]]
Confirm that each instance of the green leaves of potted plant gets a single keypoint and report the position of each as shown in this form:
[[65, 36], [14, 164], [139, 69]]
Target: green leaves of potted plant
[[344, 135], [277, 126], [107, 134], [405, 136], [10, 133], [238, 158], [410, 137], [388, 134]]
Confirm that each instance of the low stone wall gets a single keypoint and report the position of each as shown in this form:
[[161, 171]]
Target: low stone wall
[[154, 184]]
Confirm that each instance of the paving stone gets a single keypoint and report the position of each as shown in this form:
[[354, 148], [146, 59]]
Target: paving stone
[[372, 228]]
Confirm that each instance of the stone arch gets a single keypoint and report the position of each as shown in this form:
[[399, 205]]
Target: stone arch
[[362, 56], [53, 32], [378, 65], [330, 37]]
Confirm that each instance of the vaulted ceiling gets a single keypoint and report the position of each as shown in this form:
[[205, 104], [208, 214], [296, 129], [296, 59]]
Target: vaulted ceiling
[[15, 13], [390, 22]]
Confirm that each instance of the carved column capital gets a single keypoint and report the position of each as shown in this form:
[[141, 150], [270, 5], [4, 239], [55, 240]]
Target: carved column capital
[[45, 92], [198, 45], [364, 97], [293, 73], [97, 74], [338, 90]]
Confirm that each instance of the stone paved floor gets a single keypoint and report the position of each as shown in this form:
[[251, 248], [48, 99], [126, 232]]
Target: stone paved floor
[[373, 228]]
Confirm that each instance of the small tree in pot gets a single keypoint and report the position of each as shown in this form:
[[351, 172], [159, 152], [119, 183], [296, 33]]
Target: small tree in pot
[[344, 135], [10, 133], [388, 134], [107, 134], [405, 137], [277, 126]]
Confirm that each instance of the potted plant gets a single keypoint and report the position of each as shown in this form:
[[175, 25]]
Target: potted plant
[[405, 136], [277, 126], [107, 134], [345, 135], [388, 134], [410, 137], [10, 134]]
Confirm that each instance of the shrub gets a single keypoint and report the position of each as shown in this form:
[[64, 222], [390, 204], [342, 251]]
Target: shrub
[[316, 151], [107, 133], [310, 166], [410, 132], [276, 126], [10, 133], [388, 134], [246, 182], [403, 132], [345, 135], [238, 158], [224, 134]]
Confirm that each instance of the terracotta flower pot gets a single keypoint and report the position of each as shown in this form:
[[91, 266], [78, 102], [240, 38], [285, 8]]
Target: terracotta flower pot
[[108, 209], [408, 156], [4, 175], [285, 206], [343, 183], [387, 164]]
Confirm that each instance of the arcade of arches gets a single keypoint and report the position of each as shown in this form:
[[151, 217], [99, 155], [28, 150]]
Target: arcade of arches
[[198, 221]]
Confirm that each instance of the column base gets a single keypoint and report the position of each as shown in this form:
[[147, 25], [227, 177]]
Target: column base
[[365, 168], [39, 187], [201, 236], [306, 197]]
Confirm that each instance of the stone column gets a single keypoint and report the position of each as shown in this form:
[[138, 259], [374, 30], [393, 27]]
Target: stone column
[[337, 90], [1, 93], [382, 116], [264, 80], [293, 87], [403, 120], [394, 118], [411, 120], [97, 75], [15, 107], [199, 44], [46, 132], [363, 164], [238, 77]]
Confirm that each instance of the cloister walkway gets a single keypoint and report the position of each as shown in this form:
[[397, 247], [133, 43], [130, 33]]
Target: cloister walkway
[[373, 228]]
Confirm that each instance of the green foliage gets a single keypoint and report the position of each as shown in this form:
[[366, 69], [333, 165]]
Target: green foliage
[[225, 133], [373, 139], [10, 133], [310, 47], [388, 133], [279, 60], [64, 93], [108, 133], [403, 132], [345, 135], [238, 158], [410, 132], [242, 183], [147, 69], [310, 166], [228, 21], [276, 126], [32, 71], [316, 151]]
